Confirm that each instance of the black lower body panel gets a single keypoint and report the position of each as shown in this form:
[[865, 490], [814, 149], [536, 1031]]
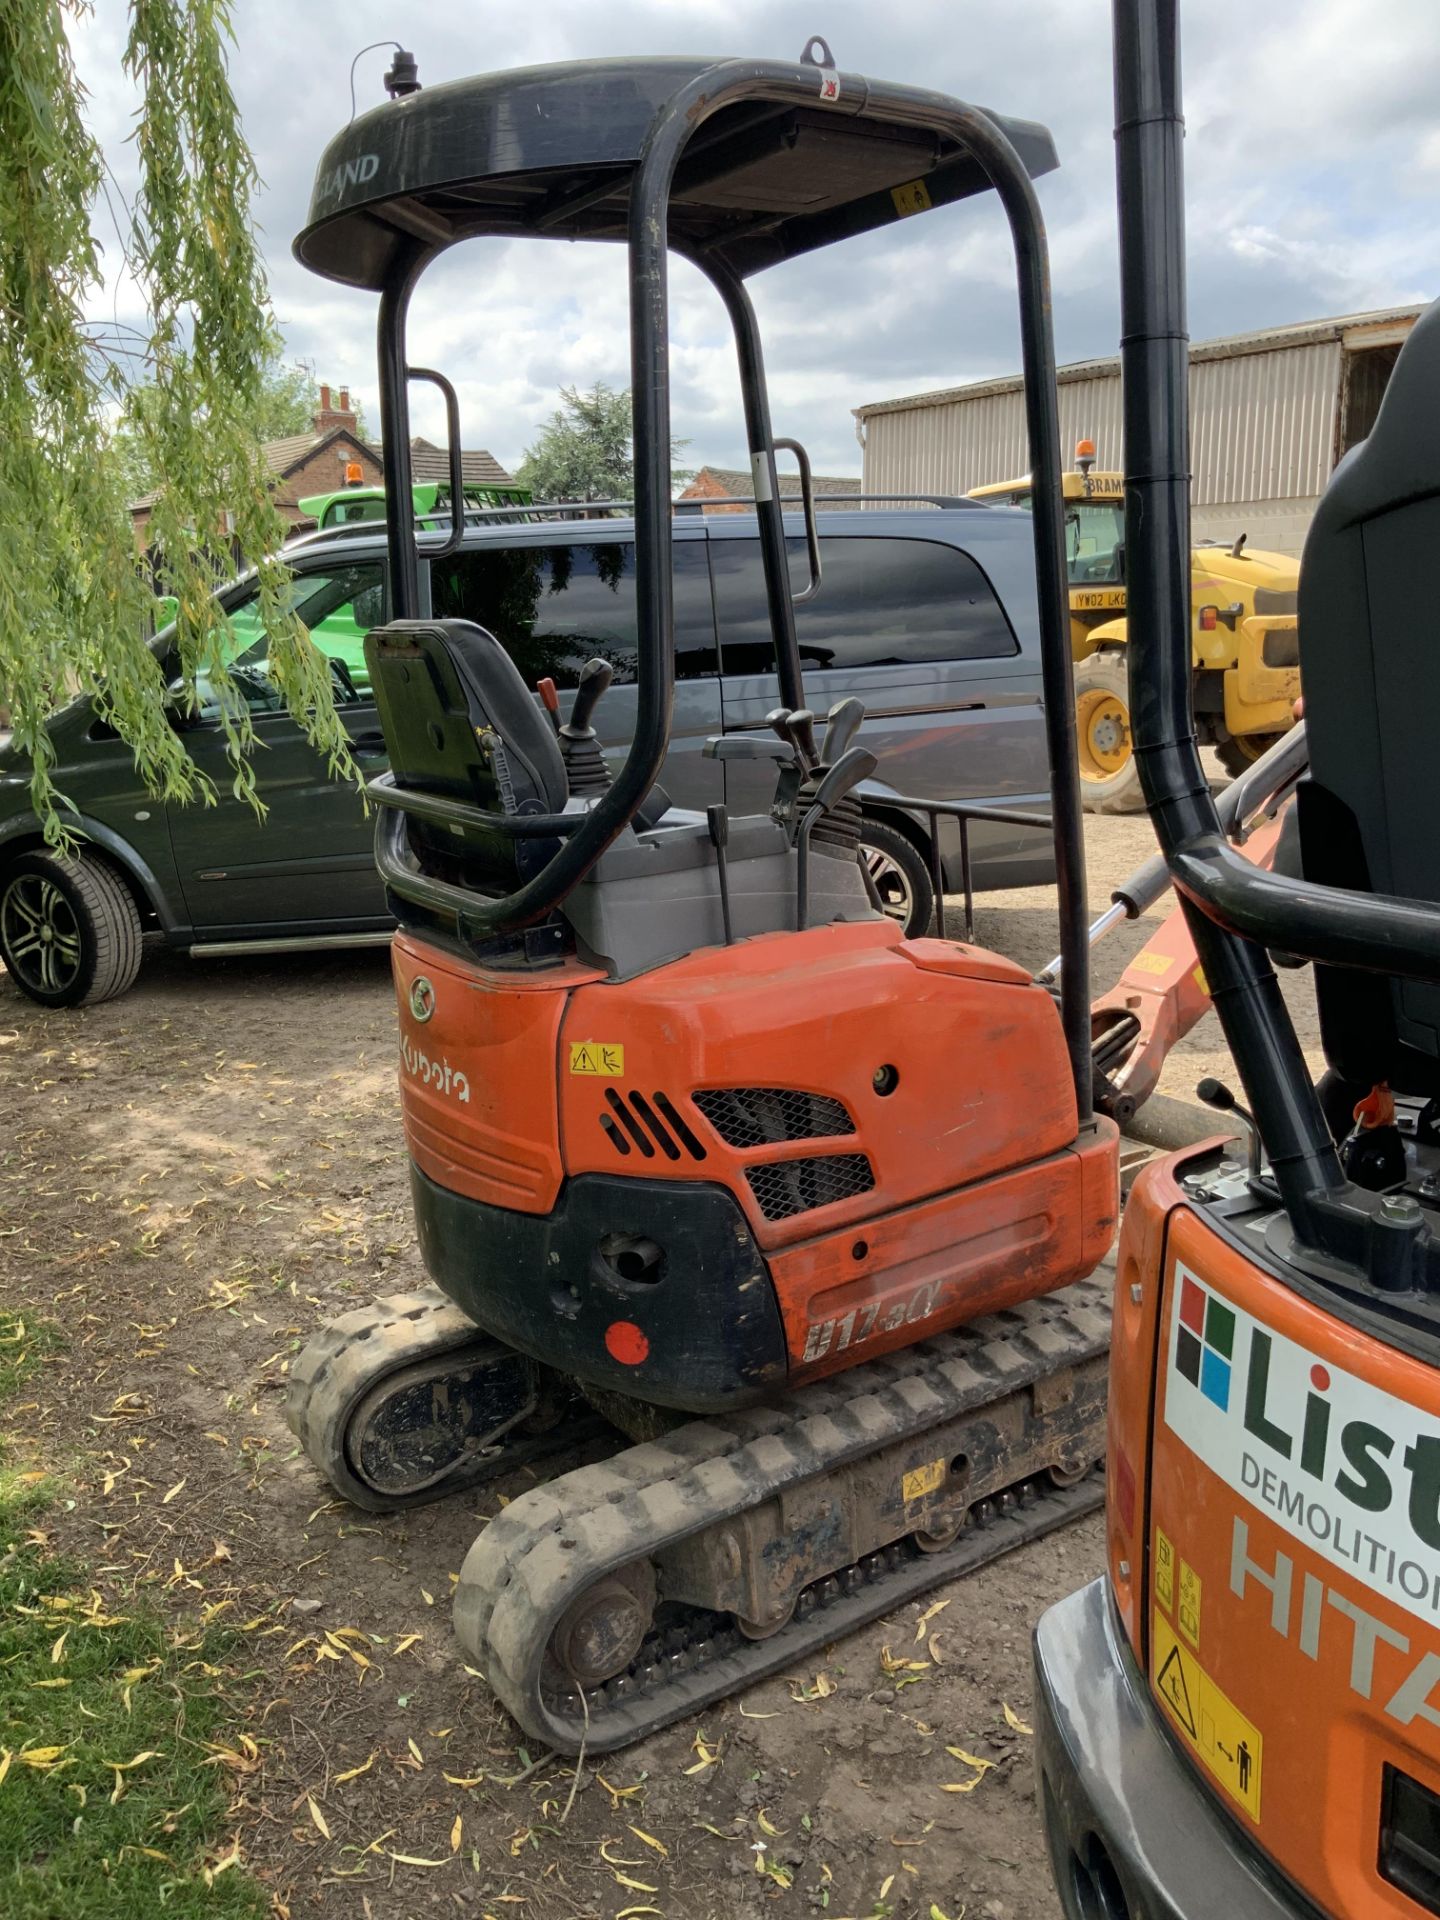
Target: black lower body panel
[[651, 1288]]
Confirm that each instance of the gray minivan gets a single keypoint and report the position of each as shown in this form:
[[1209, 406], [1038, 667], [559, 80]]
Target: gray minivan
[[928, 615]]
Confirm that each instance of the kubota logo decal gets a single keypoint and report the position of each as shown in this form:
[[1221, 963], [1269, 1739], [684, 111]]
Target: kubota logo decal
[[422, 998], [436, 1074], [1352, 1471]]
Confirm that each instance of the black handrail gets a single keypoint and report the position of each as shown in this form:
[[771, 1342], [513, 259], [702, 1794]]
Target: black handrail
[[1219, 888], [457, 470]]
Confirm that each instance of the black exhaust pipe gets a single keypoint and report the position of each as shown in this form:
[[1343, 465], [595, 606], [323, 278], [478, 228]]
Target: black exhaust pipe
[[1154, 354]]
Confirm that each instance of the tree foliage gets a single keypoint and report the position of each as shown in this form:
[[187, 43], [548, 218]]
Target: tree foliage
[[188, 394], [584, 452], [288, 399]]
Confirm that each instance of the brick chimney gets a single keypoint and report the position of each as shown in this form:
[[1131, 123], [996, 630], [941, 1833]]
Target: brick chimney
[[341, 414]]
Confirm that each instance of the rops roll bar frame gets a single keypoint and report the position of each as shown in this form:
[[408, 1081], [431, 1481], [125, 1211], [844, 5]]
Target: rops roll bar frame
[[674, 125]]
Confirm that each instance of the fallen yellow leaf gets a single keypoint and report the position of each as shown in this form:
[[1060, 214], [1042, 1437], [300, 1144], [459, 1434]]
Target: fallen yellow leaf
[[651, 1841], [354, 1773], [635, 1886], [929, 1614], [1013, 1719], [982, 1767], [457, 1834], [767, 1826], [318, 1817], [178, 1487], [412, 1860], [746, 1714], [416, 1751]]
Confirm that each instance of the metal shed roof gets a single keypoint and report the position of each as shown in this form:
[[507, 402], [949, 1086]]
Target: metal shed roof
[[1374, 328]]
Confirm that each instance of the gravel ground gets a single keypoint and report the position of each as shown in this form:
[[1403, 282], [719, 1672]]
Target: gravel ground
[[192, 1179]]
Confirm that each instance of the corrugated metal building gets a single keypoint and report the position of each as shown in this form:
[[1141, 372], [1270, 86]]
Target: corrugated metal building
[[1270, 413]]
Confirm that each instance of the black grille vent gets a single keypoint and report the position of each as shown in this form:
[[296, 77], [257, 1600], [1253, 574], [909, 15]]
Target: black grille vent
[[1281, 647], [783, 1188], [648, 1123], [1410, 1838], [760, 1116]]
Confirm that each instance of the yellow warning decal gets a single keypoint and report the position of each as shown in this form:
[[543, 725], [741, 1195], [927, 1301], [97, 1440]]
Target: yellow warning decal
[[913, 197], [1199, 978], [922, 1480], [1212, 1725], [1146, 962], [1189, 1613], [598, 1058], [1164, 1570]]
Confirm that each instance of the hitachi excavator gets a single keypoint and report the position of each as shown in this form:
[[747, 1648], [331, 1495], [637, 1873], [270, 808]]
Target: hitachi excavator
[[794, 1214], [1242, 1717]]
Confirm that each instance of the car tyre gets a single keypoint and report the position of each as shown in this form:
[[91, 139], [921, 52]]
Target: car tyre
[[69, 929], [899, 875], [1238, 752]]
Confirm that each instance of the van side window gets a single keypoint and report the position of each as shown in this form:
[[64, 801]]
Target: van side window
[[554, 608], [882, 603]]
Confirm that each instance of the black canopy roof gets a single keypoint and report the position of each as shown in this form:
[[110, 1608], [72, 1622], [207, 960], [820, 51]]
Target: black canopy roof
[[551, 150]]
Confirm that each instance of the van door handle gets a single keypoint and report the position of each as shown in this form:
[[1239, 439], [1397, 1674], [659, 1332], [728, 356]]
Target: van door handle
[[369, 746]]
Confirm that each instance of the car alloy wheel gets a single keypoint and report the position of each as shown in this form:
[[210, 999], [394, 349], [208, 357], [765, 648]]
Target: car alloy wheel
[[892, 885], [40, 933]]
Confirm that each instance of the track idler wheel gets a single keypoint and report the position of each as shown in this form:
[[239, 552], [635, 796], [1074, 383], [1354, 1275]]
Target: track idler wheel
[[603, 1629]]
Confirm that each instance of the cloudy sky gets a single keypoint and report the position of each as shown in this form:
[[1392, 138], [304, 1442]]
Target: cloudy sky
[[1313, 164]]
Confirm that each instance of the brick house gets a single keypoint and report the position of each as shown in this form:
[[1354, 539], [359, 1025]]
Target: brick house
[[738, 483], [309, 463]]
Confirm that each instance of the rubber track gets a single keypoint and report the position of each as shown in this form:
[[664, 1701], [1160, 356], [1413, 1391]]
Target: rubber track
[[552, 1542], [350, 1356]]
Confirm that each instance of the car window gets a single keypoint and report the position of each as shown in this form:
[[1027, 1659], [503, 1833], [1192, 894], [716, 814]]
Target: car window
[[883, 602], [554, 608], [338, 605]]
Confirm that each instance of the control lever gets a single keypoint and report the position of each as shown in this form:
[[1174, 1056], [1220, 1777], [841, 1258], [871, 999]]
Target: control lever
[[843, 723], [746, 746], [718, 821], [778, 721], [848, 771], [801, 728], [1216, 1095], [550, 700], [595, 678]]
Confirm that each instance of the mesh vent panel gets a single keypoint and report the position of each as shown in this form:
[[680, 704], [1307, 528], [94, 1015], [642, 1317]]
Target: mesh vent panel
[[787, 1187], [759, 1116]]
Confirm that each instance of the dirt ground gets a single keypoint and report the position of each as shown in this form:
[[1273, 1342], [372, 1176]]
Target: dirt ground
[[192, 1179]]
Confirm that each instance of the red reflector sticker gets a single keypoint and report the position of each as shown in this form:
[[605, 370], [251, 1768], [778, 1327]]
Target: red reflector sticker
[[625, 1342]]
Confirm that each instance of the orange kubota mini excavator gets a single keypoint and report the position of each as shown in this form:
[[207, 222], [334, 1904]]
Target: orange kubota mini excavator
[[702, 1146], [1242, 1718]]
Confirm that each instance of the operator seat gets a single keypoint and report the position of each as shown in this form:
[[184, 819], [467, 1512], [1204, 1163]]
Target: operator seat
[[460, 724], [1369, 623]]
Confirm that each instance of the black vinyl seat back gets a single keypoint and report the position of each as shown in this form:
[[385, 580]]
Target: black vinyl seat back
[[1370, 664], [460, 724]]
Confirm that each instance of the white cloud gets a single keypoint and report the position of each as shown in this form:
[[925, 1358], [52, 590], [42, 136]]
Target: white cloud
[[1314, 137]]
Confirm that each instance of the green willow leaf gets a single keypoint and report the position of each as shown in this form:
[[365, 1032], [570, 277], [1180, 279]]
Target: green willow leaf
[[187, 405]]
